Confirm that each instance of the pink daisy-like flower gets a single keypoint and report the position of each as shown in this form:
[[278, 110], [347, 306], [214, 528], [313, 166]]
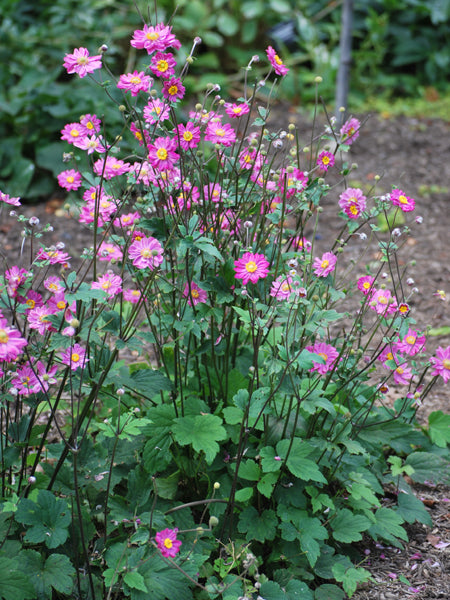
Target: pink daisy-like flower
[[251, 267], [54, 285], [161, 154], [282, 288], [350, 131], [45, 376], [213, 192], [382, 302], [235, 111], [110, 283], [74, 357], [327, 352], [412, 343], [301, 244], [135, 82], [220, 133], [91, 124], [173, 89], [25, 381], [11, 342], [110, 167], [399, 198], [140, 134], [91, 143], [159, 37], [81, 63], [352, 202], [53, 255], [132, 295], [325, 265], [72, 132], [163, 65], [108, 252], [127, 220], [325, 160], [156, 111], [8, 200], [365, 284], [188, 136], [276, 62], [16, 278], [247, 158], [146, 252], [403, 374], [195, 294], [32, 300], [70, 179], [293, 183], [38, 319], [167, 542], [441, 363]]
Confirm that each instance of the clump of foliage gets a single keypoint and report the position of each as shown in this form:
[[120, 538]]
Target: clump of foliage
[[195, 408]]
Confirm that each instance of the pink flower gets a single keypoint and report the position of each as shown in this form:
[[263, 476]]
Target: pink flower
[[163, 65], [325, 160], [352, 202], [11, 342], [219, 133], [80, 62], [276, 62], [131, 295], [109, 283], [38, 319], [167, 542], [402, 374], [293, 183], [91, 143], [70, 179], [236, 110], [8, 200], [325, 265], [251, 267], [188, 136], [72, 132], [32, 300], [110, 167], [74, 357], [127, 220], [53, 255], [213, 192], [195, 294], [16, 278], [382, 302], [173, 89], [365, 284], [398, 198], [54, 285], [350, 131], [155, 38], [327, 352], [161, 154], [146, 252], [25, 381], [156, 111], [90, 123], [301, 244], [281, 288], [140, 134], [441, 363], [412, 343], [108, 252], [135, 82]]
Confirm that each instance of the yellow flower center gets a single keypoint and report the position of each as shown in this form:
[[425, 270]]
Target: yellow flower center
[[70, 179], [400, 370], [145, 253], [325, 264], [195, 294], [382, 300], [237, 110], [325, 160], [75, 357], [135, 79], [389, 356], [285, 287], [278, 59], [31, 303], [354, 209], [220, 131], [173, 90], [323, 355], [162, 154], [251, 266], [403, 199], [61, 304], [446, 363], [168, 543], [106, 285], [366, 285], [162, 65], [410, 340], [4, 337], [74, 133], [89, 125], [187, 135], [82, 60], [152, 35]]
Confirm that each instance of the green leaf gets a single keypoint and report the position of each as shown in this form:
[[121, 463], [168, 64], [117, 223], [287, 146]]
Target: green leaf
[[329, 591], [258, 527], [428, 467], [14, 583], [244, 494], [350, 577], [168, 486], [150, 382], [271, 590], [388, 526], [298, 590], [301, 467], [135, 580], [49, 518], [227, 24], [347, 526], [439, 428], [267, 483], [412, 509], [202, 432], [162, 582], [249, 469], [56, 572]]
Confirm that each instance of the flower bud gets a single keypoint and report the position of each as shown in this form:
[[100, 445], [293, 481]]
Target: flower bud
[[216, 485], [213, 521]]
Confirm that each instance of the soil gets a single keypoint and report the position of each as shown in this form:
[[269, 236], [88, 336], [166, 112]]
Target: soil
[[414, 155]]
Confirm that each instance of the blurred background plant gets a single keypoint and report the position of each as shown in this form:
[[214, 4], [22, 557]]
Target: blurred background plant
[[399, 51]]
